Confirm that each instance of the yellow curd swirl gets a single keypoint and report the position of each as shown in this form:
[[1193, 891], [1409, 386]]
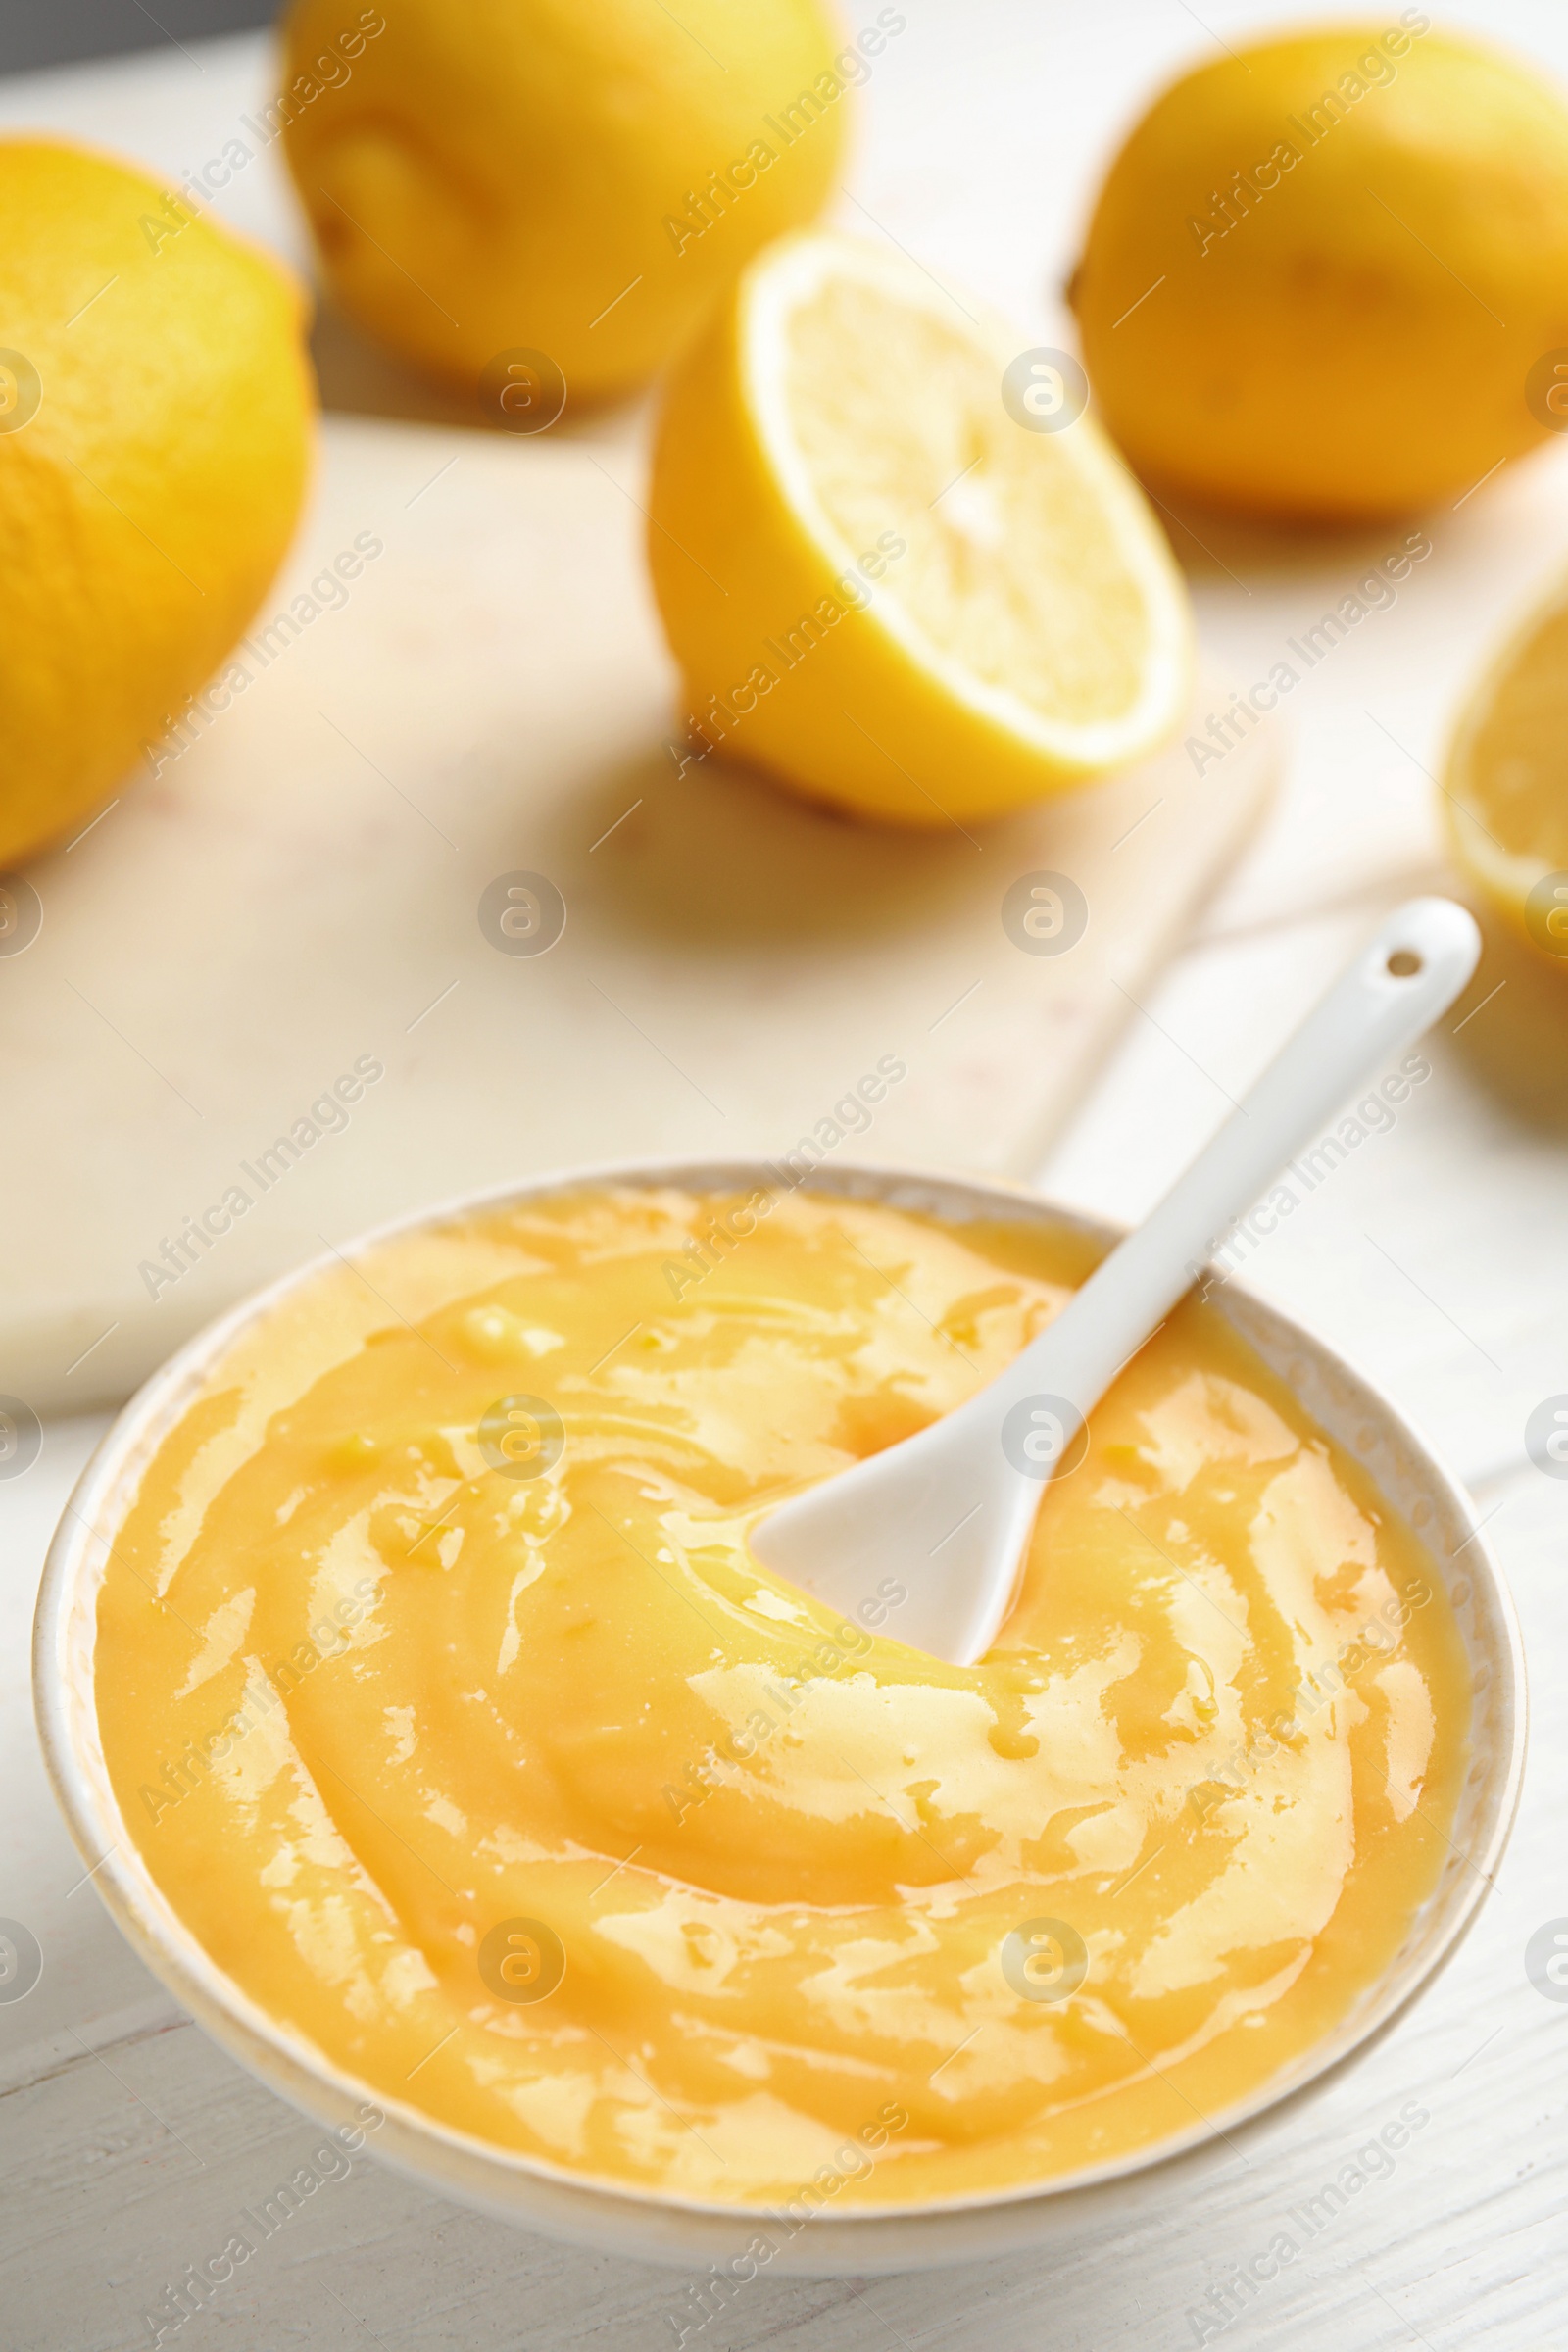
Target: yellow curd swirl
[[448, 1707]]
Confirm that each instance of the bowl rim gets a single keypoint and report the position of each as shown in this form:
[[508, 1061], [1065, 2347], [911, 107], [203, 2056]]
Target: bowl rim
[[580, 2206]]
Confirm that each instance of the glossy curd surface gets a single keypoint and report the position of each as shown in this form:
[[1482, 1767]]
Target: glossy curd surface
[[468, 1738]]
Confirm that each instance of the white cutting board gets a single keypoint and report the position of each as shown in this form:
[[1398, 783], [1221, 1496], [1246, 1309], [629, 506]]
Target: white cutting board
[[300, 889]]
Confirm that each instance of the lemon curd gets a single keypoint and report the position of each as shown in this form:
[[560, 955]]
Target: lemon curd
[[449, 1709]]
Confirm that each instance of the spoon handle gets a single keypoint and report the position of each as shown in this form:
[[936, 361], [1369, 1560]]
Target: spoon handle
[[1405, 976]]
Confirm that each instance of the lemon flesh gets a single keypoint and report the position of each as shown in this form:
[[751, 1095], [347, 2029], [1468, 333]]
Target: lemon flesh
[[1506, 784], [878, 585]]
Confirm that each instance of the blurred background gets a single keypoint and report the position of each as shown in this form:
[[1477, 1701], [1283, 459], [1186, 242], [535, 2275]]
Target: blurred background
[[32, 36]]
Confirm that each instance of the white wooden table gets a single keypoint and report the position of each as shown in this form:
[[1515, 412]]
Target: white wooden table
[[1437, 1257]]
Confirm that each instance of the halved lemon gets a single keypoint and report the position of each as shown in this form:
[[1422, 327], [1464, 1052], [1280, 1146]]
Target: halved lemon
[[1506, 786], [880, 584]]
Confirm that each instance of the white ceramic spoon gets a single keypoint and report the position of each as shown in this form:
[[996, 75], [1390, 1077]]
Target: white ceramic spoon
[[948, 1513]]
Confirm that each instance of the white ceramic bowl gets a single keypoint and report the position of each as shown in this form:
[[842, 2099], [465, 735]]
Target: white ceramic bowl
[[671, 2228]]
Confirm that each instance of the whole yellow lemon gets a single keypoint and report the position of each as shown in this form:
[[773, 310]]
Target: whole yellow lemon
[[536, 199], [1327, 277], [155, 424]]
